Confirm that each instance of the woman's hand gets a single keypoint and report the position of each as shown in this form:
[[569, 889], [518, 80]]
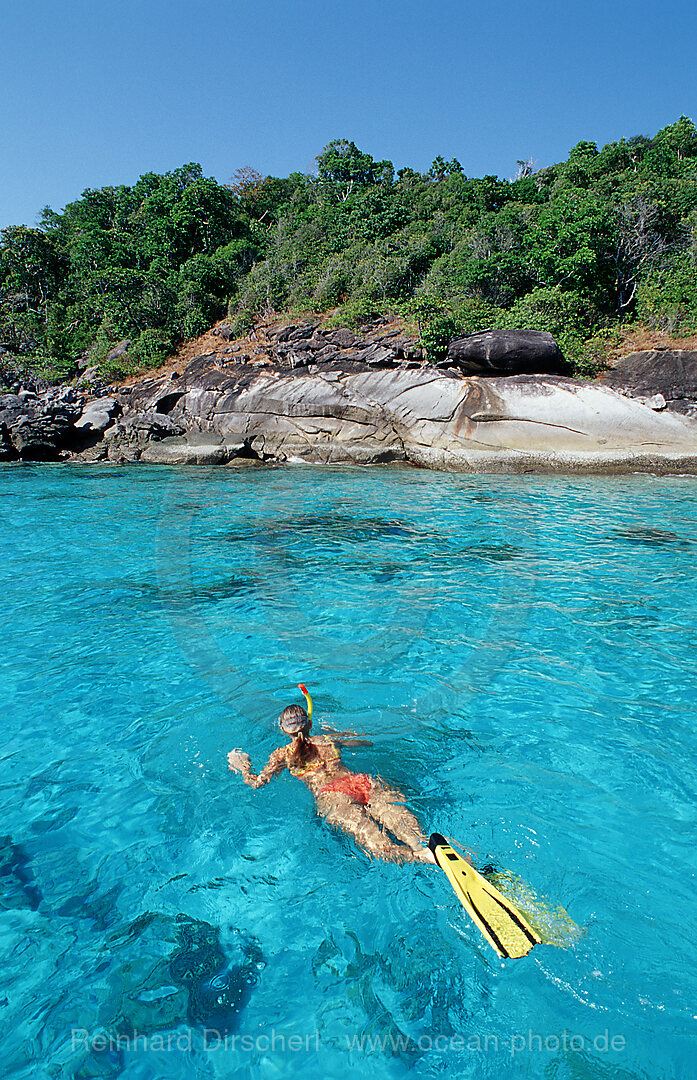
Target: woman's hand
[[238, 761]]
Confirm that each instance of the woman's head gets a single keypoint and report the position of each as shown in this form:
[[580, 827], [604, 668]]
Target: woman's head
[[294, 721]]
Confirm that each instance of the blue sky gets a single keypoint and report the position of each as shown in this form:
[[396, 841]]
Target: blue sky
[[97, 93]]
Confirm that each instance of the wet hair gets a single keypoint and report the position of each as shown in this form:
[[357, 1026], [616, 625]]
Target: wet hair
[[294, 720]]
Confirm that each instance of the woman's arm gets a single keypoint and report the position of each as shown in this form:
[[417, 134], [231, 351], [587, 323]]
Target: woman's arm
[[239, 762], [349, 739]]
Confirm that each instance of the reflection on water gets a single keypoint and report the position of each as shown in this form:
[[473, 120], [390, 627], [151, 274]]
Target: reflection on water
[[493, 552], [338, 528], [229, 586], [650, 536]]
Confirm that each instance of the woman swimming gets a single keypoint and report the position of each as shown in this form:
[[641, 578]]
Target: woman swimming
[[360, 805]]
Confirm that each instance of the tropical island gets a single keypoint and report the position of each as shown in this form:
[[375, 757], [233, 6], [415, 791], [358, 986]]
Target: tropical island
[[548, 321]]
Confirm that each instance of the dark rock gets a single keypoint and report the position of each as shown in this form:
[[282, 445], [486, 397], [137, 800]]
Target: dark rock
[[353, 357], [301, 332], [283, 334], [199, 365], [218, 989], [507, 352], [670, 374], [38, 428], [343, 338], [165, 404], [7, 450], [119, 350], [19, 889], [38, 440], [410, 352], [327, 352], [379, 355], [168, 972]]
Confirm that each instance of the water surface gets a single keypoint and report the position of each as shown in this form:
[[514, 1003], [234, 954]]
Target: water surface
[[522, 652]]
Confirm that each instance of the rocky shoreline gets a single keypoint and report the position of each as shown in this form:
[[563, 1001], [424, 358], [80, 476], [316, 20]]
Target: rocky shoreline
[[499, 402]]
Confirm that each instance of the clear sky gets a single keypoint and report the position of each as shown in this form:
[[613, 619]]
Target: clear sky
[[97, 92]]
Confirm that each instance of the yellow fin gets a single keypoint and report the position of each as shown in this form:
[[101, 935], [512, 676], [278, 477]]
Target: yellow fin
[[503, 926]]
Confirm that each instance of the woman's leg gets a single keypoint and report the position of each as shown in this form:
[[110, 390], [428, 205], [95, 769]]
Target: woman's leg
[[341, 811], [386, 810]]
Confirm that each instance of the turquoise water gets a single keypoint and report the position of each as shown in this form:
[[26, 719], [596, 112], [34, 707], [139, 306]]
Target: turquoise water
[[522, 651]]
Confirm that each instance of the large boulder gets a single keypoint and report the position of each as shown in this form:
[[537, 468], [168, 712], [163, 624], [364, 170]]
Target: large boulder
[[427, 417], [670, 374], [38, 427], [98, 415], [507, 352]]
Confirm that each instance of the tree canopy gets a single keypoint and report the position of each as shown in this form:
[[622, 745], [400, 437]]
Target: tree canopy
[[607, 236]]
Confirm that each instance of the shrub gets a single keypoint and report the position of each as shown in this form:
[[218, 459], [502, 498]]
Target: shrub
[[592, 356], [667, 299], [356, 313], [150, 349], [553, 310], [195, 323], [242, 322], [333, 284], [475, 315], [436, 326]]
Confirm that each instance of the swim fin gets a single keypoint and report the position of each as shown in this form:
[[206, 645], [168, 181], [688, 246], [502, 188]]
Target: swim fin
[[500, 922]]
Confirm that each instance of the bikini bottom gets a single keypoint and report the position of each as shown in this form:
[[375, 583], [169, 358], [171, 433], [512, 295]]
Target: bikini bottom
[[356, 785]]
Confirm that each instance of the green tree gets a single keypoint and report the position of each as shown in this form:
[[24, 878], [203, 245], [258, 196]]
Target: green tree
[[342, 169]]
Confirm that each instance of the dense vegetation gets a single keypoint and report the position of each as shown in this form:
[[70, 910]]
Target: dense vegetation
[[578, 248]]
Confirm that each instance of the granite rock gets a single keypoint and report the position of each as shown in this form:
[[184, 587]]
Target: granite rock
[[507, 352], [98, 415], [423, 416], [670, 373]]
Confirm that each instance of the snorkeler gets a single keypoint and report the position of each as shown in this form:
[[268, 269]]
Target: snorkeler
[[360, 805], [369, 810]]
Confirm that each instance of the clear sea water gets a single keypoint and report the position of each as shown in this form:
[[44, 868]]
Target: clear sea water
[[521, 650]]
